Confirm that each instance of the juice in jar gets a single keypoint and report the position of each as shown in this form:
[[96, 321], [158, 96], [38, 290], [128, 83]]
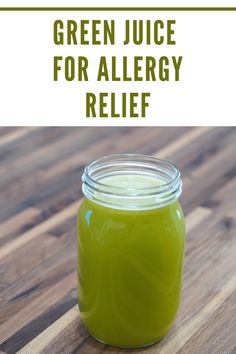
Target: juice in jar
[[130, 259]]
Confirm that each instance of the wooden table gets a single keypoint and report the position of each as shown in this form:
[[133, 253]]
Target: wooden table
[[40, 190]]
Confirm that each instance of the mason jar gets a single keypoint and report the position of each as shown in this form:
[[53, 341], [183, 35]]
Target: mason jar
[[131, 237]]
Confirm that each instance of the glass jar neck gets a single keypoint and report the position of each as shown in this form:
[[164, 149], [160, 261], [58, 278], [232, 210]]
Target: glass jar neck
[[132, 182]]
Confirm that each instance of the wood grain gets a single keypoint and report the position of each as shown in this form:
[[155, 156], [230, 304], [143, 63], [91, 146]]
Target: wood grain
[[40, 192], [14, 135]]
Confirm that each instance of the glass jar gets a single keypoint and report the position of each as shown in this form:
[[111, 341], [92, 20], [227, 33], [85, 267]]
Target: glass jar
[[131, 237]]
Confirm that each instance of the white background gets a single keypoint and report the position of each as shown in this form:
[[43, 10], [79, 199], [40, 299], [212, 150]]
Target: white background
[[205, 94]]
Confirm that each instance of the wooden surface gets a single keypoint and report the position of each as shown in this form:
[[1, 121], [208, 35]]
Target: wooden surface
[[40, 189]]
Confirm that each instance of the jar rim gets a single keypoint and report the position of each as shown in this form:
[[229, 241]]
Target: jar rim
[[94, 189]]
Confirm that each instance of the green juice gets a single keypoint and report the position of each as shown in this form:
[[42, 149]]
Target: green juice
[[129, 268]]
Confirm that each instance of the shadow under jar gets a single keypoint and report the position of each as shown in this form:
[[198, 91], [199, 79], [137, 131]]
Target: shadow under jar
[[131, 237]]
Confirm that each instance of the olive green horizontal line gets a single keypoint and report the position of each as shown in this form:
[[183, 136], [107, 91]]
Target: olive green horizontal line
[[117, 8]]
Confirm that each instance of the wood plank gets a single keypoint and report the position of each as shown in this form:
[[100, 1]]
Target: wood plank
[[209, 177], [33, 255], [39, 229], [187, 331], [17, 221], [16, 134], [24, 290], [38, 344], [37, 307], [196, 217], [40, 191], [210, 337], [182, 142], [7, 130]]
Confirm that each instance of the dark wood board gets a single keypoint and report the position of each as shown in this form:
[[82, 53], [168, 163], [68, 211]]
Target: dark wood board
[[40, 191]]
